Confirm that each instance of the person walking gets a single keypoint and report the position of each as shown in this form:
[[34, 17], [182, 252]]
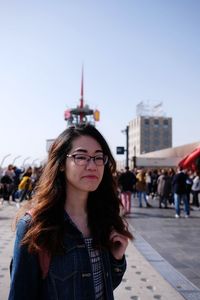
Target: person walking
[[196, 189], [164, 188], [180, 192], [126, 182], [141, 188], [16, 181], [6, 184], [74, 223], [25, 185]]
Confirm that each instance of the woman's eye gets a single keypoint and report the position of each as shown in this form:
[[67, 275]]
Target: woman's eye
[[99, 158], [81, 157]]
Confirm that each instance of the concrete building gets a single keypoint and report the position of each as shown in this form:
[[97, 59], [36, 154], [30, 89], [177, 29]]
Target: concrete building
[[150, 140], [149, 133]]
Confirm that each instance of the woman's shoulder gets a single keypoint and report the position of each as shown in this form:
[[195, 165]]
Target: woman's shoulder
[[23, 224]]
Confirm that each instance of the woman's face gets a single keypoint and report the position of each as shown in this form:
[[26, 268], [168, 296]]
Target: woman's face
[[81, 172]]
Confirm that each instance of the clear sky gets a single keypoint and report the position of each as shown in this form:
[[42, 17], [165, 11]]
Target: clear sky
[[132, 50]]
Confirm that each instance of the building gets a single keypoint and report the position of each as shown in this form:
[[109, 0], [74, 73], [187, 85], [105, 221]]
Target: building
[[149, 131], [149, 142], [147, 134]]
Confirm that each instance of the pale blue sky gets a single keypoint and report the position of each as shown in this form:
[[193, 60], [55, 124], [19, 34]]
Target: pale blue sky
[[132, 50]]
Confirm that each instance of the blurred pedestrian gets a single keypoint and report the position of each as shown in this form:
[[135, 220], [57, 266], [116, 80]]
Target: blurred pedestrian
[[141, 188], [164, 189], [127, 181], [180, 192], [196, 189], [25, 185], [7, 183], [16, 181]]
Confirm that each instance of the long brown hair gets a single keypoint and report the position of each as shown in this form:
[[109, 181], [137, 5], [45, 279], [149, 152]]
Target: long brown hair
[[47, 226]]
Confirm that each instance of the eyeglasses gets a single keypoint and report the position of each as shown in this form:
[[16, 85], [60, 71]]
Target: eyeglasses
[[84, 159]]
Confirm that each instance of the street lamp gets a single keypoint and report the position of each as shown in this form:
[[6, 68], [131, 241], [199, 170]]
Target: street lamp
[[4, 159], [25, 160], [15, 159], [127, 144], [33, 162]]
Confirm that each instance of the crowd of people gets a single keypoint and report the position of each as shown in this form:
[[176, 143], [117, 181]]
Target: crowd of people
[[170, 187], [17, 184]]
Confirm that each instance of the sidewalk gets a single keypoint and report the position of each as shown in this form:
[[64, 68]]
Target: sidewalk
[[7, 213], [142, 280]]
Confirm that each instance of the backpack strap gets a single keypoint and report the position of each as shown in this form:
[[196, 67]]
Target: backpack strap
[[44, 256]]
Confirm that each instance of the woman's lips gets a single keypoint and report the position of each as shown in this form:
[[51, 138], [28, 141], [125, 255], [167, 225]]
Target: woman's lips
[[90, 177]]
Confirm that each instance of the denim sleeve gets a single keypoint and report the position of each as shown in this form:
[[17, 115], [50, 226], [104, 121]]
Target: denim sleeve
[[25, 275], [118, 268]]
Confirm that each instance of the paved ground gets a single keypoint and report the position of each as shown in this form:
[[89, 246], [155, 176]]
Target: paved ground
[[176, 240], [149, 275], [142, 282], [6, 246]]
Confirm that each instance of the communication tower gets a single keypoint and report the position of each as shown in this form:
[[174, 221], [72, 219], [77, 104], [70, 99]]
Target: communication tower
[[82, 113]]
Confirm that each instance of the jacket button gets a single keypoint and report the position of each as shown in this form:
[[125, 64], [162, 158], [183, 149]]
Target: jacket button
[[117, 270], [81, 246], [86, 275]]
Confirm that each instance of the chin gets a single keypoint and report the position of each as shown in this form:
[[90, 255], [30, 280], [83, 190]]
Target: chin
[[92, 188]]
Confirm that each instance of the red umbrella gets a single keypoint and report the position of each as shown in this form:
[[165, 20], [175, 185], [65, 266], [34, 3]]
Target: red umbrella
[[191, 161]]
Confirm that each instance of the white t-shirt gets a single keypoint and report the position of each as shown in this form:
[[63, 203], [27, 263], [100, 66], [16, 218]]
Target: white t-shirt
[[196, 184]]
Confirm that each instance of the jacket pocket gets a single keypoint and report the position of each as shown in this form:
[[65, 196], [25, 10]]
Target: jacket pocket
[[63, 275], [64, 267]]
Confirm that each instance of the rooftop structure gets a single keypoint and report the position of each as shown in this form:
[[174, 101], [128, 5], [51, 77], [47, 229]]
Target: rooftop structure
[[145, 109]]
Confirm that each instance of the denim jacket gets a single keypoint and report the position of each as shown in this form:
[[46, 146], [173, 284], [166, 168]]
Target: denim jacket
[[69, 276]]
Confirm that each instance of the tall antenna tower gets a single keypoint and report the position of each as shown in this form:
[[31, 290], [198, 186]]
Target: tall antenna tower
[[82, 113]]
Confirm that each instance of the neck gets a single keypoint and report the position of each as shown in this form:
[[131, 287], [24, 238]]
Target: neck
[[75, 212], [76, 207], [76, 203]]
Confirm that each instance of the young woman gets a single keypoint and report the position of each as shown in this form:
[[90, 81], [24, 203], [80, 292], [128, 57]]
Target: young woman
[[71, 244]]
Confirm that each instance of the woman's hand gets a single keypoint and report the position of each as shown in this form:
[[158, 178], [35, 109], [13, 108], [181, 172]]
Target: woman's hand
[[119, 244]]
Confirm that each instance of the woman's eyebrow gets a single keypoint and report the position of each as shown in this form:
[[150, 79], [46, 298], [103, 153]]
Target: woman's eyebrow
[[86, 151], [80, 150]]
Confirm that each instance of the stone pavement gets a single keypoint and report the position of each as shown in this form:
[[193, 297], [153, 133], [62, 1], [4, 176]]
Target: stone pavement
[[7, 235], [176, 240], [142, 280]]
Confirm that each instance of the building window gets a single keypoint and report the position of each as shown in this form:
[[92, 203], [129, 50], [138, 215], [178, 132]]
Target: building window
[[165, 123], [156, 123]]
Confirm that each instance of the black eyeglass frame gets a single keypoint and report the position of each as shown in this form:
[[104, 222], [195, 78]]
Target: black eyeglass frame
[[88, 159]]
